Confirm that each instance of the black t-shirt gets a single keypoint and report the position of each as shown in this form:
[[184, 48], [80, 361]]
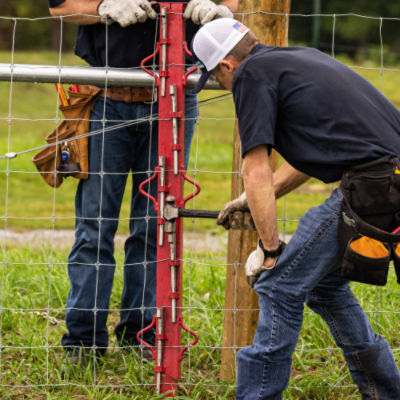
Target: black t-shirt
[[127, 47], [317, 113]]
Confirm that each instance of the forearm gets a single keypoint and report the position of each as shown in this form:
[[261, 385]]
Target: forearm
[[286, 178], [231, 4], [258, 183], [86, 11]]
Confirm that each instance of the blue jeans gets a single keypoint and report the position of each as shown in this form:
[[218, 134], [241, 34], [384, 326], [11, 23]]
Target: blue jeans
[[91, 263], [309, 271]]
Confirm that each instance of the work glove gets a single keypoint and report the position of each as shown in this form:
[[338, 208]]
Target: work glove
[[255, 265], [236, 215], [203, 11], [126, 12]]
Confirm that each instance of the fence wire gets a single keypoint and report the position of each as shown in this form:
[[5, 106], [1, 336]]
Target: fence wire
[[37, 235]]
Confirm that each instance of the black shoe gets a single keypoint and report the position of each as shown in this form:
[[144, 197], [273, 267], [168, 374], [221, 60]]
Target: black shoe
[[139, 351], [130, 345], [79, 358]]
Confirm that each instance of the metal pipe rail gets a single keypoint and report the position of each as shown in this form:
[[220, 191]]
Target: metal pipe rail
[[86, 75]]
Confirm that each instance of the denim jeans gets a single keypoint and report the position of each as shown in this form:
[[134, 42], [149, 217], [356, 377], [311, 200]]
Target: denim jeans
[[309, 271], [113, 156]]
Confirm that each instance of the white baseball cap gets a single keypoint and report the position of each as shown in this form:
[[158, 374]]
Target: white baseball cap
[[213, 42]]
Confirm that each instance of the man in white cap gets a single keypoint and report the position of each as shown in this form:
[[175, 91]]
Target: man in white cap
[[285, 99]]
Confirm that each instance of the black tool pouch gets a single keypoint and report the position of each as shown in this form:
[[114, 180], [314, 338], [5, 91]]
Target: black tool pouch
[[396, 260], [370, 212]]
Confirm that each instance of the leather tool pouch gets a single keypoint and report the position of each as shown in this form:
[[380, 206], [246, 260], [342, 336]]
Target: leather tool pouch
[[369, 215], [68, 156]]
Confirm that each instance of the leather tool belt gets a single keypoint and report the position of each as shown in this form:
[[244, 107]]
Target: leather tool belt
[[125, 93], [370, 218], [70, 158]]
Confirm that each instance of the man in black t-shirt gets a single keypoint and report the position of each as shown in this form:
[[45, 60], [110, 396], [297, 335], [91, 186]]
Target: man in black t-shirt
[[323, 118], [119, 33]]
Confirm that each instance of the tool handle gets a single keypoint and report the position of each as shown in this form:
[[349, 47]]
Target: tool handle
[[187, 213]]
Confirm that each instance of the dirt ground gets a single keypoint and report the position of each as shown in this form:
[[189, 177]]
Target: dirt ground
[[64, 239], [193, 241]]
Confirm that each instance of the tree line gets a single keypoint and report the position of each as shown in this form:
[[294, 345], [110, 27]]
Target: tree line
[[352, 34], [31, 33]]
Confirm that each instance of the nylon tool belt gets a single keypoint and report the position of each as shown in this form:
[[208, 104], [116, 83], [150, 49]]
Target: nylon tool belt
[[370, 216]]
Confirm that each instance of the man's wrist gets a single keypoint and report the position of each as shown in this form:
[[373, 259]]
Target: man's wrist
[[271, 253]]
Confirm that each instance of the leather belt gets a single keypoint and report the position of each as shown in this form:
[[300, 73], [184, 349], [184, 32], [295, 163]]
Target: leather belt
[[126, 94], [129, 94]]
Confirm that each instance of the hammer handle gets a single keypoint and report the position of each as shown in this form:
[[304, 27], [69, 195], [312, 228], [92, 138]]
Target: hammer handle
[[187, 213]]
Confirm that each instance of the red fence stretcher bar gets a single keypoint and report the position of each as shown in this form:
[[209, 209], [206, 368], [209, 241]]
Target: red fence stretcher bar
[[170, 81]]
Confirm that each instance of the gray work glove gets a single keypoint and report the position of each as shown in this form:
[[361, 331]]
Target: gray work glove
[[126, 12], [203, 11], [255, 265], [236, 215]]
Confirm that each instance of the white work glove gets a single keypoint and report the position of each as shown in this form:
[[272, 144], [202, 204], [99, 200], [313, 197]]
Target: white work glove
[[126, 12], [203, 11], [236, 215], [255, 264]]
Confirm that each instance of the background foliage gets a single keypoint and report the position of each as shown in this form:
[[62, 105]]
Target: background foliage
[[33, 276], [31, 35], [353, 35]]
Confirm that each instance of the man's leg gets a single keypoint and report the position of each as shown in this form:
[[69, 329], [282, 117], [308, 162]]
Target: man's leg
[[264, 368], [368, 355], [139, 293], [191, 115], [138, 296], [91, 261]]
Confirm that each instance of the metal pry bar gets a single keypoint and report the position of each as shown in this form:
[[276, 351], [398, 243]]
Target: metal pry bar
[[172, 212], [189, 213]]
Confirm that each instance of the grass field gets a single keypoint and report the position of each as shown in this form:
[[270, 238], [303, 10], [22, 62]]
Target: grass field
[[34, 282], [32, 323]]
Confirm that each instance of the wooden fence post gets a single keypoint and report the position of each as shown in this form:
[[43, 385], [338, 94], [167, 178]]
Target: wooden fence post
[[241, 302]]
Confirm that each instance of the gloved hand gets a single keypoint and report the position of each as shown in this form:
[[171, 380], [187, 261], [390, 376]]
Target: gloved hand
[[255, 264], [236, 215], [126, 12], [203, 11]]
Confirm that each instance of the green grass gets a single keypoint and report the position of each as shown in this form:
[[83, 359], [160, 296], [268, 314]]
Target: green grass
[[34, 277], [31, 357]]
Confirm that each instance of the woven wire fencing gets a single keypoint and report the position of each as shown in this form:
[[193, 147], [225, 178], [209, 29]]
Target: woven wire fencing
[[37, 233]]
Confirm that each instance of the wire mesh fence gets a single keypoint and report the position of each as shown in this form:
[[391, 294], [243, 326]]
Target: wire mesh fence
[[38, 232]]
